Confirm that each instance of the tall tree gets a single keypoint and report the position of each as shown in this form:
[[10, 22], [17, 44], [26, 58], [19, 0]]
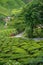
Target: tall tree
[[33, 14]]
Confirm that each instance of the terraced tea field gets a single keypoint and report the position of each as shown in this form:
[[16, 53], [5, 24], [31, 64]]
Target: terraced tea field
[[18, 51], [19, 23]]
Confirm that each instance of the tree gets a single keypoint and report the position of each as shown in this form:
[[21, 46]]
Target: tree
[[33, 14]]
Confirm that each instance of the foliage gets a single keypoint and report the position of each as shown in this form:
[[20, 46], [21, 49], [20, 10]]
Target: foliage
[[11, 4], [33, 15], [20, 51], [8, 33]]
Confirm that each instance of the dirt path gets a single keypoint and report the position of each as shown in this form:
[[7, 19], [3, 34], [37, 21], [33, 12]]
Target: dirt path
[[21, 36]]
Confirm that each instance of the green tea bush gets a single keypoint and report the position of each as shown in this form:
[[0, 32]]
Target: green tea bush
[[18, 51], [7, 32], [37, 32]]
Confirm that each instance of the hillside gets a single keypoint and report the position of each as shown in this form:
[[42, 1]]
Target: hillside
[[18, 51], [4, 11], [6, 6], [21, 32], [11, 4], [9, 7]]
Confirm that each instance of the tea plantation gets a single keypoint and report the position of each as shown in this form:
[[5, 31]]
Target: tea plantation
[[16, 17], [18, 51]]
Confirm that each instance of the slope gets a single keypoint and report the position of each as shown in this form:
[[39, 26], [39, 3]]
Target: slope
[[4, 11], [20, 52], [10, 4]]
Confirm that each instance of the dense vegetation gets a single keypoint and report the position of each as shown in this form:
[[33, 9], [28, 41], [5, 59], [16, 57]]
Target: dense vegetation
[[33, 17], [18, 51], [11, 4], [16, 17]]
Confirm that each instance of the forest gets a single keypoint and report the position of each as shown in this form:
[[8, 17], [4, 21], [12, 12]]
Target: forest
[[21, 32]]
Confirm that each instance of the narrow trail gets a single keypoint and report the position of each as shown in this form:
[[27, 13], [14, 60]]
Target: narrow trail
[[20, 35]]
